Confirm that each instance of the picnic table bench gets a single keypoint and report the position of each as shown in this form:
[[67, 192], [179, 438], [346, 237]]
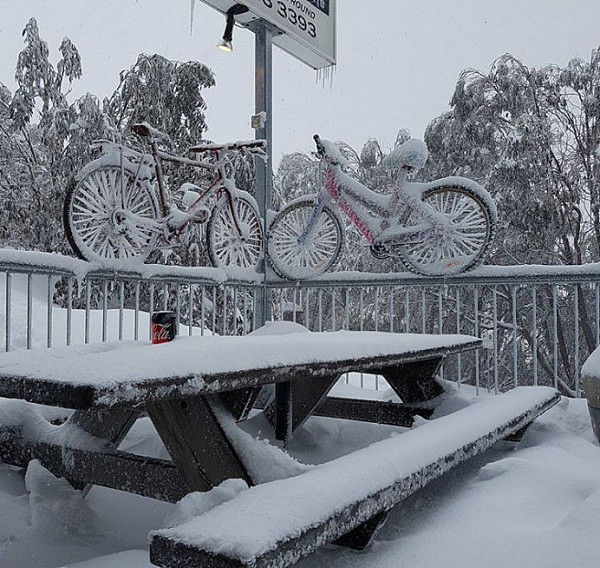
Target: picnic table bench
[[193, 387], [343, 501]]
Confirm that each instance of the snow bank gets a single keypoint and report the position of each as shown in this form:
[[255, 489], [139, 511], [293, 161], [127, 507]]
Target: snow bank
[[532, 507]]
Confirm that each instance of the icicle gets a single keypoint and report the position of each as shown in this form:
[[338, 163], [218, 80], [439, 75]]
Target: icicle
[[192, 5], [326, 75]]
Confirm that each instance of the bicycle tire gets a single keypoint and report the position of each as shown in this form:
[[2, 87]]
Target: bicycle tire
[[108, 215], [467, 241], [227, 248], [293, 260]]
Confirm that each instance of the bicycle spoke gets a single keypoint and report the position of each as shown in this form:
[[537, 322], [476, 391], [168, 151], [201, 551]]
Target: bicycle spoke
[[231, 243], [449, 248], [111, 215], [301, 246]]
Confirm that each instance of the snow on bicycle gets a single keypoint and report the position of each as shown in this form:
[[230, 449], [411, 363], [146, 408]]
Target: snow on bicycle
[[120, 207], [437, 228]]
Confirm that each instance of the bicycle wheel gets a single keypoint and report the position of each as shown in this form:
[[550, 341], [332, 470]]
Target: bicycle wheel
[[226, 246], [109, 215], [299, 258], [461, 244]]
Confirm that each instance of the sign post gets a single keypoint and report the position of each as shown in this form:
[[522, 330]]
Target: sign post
[[306, 30], [263, 104]]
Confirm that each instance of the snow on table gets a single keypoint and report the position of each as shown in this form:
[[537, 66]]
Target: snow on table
[[115, 373], [259, 519]]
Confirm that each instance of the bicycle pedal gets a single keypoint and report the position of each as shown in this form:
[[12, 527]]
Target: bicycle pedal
[[380, 251]]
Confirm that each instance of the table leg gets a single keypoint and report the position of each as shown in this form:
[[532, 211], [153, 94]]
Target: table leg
[[196, 441], [240, 402], [361, 536], [110, 425], [294, 403], [415, 382]]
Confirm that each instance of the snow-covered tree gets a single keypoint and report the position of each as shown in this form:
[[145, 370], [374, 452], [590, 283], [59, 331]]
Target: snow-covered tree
[[531, 136], [35, 135], [167, 94]]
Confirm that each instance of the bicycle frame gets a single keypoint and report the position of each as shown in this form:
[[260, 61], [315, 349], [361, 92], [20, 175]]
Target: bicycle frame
[[164, 195], [223, 183], [370, 212]]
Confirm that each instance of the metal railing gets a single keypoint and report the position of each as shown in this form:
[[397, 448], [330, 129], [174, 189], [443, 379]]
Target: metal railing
[[51, 300], [538, 323]]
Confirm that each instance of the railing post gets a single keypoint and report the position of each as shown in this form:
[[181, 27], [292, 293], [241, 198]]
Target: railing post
[[513, 295], [576, 341], [8, 312]]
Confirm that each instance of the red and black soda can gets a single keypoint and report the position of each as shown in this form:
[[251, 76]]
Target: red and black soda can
[[163, 327]]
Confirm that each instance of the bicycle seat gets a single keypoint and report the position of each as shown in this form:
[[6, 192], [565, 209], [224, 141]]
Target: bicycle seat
[[144, 130], [410, 155], [141, 129]]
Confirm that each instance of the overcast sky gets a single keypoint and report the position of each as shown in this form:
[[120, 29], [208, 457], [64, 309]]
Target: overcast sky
[[398, 61]]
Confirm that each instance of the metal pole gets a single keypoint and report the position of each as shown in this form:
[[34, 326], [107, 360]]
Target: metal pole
[[263, 94]]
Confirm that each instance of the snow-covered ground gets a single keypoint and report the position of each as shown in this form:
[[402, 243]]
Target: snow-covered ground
[[535, 505]]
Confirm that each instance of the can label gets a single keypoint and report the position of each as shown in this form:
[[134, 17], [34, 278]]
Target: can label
[[163, 327]]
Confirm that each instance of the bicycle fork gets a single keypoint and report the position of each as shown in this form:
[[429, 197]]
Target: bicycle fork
[[314, 216]]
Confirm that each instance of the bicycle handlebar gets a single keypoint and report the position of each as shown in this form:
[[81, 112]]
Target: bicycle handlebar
[[251, 145], [320, 147]]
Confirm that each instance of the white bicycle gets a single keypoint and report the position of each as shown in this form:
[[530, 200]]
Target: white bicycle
[[438, 228], [119, 206]]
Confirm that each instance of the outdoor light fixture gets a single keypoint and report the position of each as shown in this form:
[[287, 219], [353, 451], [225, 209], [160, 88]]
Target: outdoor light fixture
[[226, 44]]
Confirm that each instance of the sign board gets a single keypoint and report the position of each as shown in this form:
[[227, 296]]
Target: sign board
[[307, 26]]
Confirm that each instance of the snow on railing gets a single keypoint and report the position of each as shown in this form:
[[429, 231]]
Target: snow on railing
[[538, 323], [50, 299]]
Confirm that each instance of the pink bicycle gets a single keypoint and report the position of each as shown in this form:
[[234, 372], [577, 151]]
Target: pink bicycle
[[438, 228]]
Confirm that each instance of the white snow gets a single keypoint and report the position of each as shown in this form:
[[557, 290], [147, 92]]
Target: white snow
[[536, 506], [9, 258], [591, 367], [111, 367], [333, 151], [413, 153], [256, 520]]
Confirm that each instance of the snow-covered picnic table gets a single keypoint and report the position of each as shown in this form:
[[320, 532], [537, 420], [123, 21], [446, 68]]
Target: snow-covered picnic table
[[132, 373], [195, 388], [190, 388]]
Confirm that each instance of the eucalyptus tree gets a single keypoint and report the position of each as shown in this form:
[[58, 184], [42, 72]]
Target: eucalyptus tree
[[531, 136]]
